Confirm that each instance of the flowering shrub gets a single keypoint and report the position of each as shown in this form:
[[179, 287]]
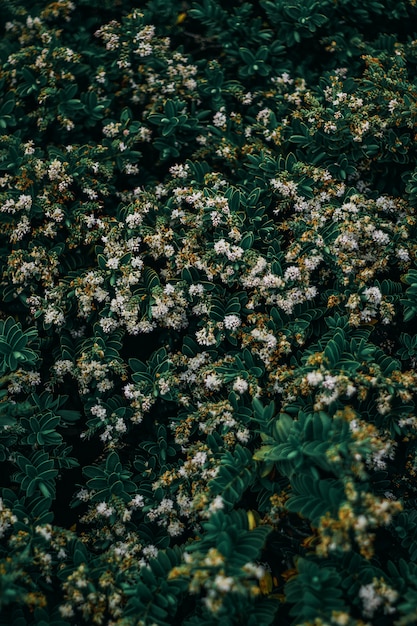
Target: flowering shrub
[[207, 324]]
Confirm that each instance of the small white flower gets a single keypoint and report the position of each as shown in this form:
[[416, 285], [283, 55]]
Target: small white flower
[[199, 458], [104, 509], [223, 583], [196, 289], [213, 382], [231, 322], [217, 504], [392, 104], [243, 435], [314, 378], [175, 528], [44, 531], [219, 119], [292, 273], [402, 254], [137, 502], [380, 237], [240, 385], [373, 294], [113, 263], [150, 551], [99, 411], [329, 382]]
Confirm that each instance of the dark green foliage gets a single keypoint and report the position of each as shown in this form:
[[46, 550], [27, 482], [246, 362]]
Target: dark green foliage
[[208, 289], [315, 591]]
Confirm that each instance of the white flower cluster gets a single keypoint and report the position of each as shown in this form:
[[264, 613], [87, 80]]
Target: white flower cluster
[[7, 518], [377, 595]]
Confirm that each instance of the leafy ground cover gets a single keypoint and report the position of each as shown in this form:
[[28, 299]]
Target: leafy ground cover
[[208, 310]]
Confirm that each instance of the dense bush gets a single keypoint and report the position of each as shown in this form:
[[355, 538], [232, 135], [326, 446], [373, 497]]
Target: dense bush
[[208, 306]]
